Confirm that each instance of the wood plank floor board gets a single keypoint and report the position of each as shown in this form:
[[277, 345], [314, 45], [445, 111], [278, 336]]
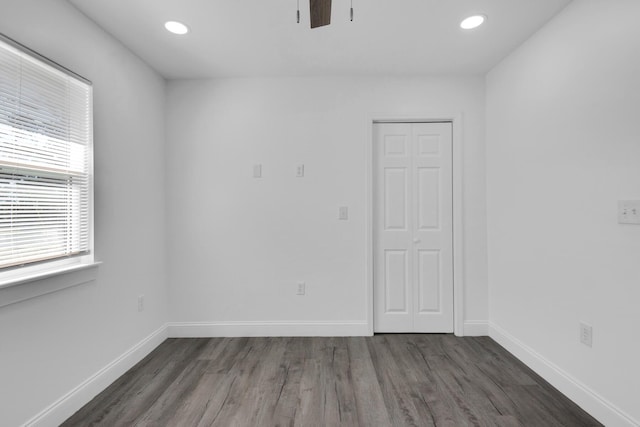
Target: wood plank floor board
[[402, 381], [457, 380], [476, 388], [427, 388], [370, 405], [343, 384], [433, 388], [128, 383], [524, 376], [163, 408], [472, 409], [317, 404], [385, 380], [150, 387], [265, 386], [244, 371], [497, 387], [288, 385]]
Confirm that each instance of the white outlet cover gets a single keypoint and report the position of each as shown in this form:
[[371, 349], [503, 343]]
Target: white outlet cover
[[257, 171], [629, 211], [300, 171], [343, 213]]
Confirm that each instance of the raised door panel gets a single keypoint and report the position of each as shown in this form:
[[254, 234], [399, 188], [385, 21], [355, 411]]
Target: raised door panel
[[428, 198], [396, 281], [395, 199], [429, 281]]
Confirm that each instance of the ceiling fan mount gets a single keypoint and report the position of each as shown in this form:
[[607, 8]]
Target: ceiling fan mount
[[320, 12]]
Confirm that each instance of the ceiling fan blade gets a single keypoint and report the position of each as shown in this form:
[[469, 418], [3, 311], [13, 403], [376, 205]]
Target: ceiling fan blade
[[320, 12]]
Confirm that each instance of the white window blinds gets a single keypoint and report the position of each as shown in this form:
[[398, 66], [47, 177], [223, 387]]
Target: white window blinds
[[45, 160]]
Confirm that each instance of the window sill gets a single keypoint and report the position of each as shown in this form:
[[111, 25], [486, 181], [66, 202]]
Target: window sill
[[20, 288]]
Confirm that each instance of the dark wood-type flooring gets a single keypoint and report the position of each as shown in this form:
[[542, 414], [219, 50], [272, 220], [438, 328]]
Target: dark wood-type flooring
[[384, 380]]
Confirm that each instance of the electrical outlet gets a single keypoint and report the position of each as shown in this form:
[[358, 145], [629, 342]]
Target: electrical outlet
[[300, 171], [629, 211], [301, 289], [586, 334], [141, 303], [343, 213]]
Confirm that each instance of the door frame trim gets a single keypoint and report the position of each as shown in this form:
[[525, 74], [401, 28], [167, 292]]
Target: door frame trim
[[458, 230]]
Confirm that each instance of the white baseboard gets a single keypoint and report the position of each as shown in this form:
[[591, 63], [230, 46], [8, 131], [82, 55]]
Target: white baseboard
[[600, 408], [476, 328], [267, 329], [68, 404]]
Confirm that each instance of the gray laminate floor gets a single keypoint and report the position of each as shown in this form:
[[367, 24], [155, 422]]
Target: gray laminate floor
[[385, 380]]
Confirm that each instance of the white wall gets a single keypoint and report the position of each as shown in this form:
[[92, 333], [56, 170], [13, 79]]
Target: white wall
[[50, 344], [238, 244], [563, 145]]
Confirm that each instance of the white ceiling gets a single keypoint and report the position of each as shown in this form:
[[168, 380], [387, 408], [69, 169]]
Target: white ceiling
[[261, 37]]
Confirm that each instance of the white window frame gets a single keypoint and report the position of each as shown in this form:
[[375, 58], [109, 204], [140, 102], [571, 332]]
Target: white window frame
[[31, 277]]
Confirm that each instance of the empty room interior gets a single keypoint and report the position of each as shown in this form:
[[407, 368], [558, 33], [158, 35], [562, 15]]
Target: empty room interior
[[319, 213]]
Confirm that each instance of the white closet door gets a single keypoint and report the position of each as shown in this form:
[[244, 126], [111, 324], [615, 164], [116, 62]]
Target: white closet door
[[413, 227]]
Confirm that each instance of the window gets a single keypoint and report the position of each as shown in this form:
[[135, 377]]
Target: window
[[46, 158]]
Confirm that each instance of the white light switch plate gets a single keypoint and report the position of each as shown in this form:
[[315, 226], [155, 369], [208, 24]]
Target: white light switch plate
[[301, 288], [257, 171], [343, 213], [586, 334], [629, 211]]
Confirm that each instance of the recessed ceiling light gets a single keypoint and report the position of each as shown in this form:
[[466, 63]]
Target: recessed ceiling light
[[473, 22], [176, 27]]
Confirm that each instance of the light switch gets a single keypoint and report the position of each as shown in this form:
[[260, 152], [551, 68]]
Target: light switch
[[343, 213], [302, 288], [257, 171], [300, 171], [629, 211]]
